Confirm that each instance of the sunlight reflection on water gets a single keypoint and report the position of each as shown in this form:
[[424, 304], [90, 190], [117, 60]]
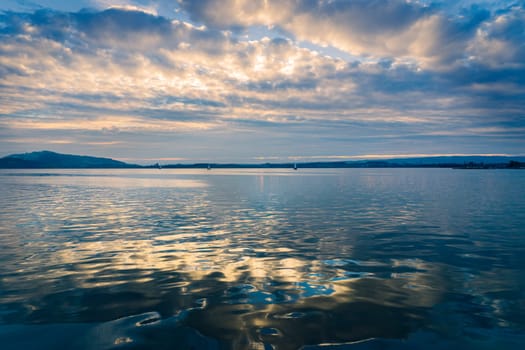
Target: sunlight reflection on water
[[262, 257]]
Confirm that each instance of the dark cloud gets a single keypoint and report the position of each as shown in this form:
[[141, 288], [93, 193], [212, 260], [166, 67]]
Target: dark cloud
[[370, 16], [367, 15], [364, 15], [126, 23], [109, 28]]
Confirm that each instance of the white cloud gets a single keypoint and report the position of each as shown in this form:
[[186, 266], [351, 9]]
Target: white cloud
[[501, 41]]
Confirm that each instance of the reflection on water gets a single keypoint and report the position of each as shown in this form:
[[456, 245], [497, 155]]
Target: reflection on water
[[249, 259]]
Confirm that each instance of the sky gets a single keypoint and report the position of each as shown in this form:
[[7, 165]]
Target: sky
[[182, 81]]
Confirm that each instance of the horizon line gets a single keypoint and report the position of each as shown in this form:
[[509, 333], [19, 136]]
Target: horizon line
[[327, 158], [285, 159]]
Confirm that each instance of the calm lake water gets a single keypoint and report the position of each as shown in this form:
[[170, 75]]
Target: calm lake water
[[262, 259]]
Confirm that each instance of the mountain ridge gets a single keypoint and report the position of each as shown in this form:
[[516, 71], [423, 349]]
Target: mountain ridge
[[48, 159]]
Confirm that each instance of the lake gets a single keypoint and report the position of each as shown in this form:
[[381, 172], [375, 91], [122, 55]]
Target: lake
[[262, 259]]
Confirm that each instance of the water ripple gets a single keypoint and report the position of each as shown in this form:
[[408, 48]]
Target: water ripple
[[268, 260]]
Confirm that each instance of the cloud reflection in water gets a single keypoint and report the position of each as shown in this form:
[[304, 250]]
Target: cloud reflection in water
[[331, 257]]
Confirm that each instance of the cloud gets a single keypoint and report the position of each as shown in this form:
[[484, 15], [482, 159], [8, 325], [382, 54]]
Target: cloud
[[420, 76], [500, 42], [397, 29], [148, 59]]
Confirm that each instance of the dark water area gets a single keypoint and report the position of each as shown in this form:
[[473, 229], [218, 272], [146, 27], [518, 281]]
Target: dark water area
[[262, 259]]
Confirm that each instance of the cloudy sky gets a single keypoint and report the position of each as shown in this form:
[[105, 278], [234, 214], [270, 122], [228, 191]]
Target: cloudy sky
[[262, 80]]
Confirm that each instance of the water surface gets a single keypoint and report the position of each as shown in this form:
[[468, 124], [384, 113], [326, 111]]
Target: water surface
[[262, 259]]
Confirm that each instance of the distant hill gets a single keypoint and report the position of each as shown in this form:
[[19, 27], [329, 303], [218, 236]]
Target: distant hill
[[425, 162], [467, 162], [457, 160], [47, 159]]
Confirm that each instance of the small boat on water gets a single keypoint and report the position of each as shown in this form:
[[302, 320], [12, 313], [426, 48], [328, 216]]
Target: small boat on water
[[209, 167], [295, 166]]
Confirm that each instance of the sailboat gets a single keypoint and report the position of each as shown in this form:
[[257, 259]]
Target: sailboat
[[294, 166], [209, 167]]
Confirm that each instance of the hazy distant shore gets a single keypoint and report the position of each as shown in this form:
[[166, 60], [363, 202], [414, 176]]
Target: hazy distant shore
[[52, 160]]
